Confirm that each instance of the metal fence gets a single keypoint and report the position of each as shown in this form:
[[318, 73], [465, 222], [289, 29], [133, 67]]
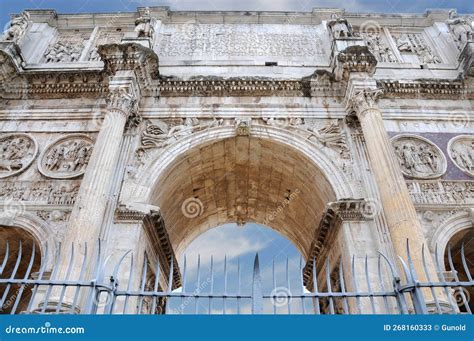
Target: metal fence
[[133, 285]]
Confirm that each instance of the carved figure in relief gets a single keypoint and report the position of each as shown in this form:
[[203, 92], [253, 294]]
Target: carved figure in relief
[[415, 43], [144, 26], [461, 28], [418, 158], [17, 28], [70, 156], [340, 27], [330, 136], [94, 54], [14, 153], [160, 134], [462, 154], [378, 48], [63, 52]]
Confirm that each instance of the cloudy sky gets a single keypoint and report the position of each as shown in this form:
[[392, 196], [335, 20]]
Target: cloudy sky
[[67, 6]]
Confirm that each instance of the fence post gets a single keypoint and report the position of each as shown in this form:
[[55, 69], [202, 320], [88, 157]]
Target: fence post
[[257, 293]]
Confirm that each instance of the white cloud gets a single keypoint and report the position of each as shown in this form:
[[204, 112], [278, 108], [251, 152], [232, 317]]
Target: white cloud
[[224, 241]]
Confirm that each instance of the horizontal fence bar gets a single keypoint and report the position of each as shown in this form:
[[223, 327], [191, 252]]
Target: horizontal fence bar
[[137, 285]]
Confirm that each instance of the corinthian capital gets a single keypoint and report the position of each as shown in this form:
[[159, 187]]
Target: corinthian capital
[[364, 100], [123, 100]]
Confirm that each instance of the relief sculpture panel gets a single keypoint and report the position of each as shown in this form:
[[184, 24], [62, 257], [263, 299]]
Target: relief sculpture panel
[[17, 152], [66, 157], [461, 152], [418, 157]]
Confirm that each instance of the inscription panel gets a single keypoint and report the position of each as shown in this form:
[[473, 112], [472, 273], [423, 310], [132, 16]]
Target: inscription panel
[[225, 41]]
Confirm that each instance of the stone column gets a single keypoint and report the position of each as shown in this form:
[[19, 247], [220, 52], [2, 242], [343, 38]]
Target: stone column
[[87, 216], [399, 210]]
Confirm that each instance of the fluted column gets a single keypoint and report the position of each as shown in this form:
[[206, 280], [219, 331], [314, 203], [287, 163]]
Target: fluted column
[[87, 216], [399, 210]]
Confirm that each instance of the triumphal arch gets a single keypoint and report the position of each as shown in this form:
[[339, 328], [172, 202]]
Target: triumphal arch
[[351, 134]]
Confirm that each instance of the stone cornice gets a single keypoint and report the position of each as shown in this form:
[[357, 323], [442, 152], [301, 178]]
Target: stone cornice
[[132, 57], [335, 214], [454, 89]]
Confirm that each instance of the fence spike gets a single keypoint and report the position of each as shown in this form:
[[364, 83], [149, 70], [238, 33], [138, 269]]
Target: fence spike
[[354, 283], [130, 281], [343, 288], [198, 288], [300, 276], [13, 274], [25, 277], [5, 257], [224, 299], [443, 278], [328, 286], [68, 274], [315, 288], [464, 263], [428, 277], [382, 285], [456, 277], [369, 286], [44, 263], [274, 284], [257, 295], [288, 284]]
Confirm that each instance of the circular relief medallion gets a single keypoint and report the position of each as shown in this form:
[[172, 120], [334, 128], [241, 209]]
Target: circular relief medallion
[[67, 157], [461, 152], [17, 152], [419, 157]]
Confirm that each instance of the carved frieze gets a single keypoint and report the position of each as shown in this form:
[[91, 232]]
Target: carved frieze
[[442, 192], [378, 47], [17, 152], [161, 133], [461, 152], [40, 192], [67, 157], [54, 216], [66, 49], [418, 157], [415, 44]]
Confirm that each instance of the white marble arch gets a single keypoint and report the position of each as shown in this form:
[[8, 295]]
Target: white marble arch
[[140, 190], [439, 241], [39, 229]]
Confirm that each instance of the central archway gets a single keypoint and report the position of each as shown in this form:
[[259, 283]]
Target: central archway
[[271, 177]]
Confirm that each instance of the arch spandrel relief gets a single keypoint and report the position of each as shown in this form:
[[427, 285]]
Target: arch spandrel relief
[[461, 152], [67, 157], [418, 157], [17, 152]]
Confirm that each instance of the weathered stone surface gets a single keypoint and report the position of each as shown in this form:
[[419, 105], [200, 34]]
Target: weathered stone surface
[[217, 117]]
